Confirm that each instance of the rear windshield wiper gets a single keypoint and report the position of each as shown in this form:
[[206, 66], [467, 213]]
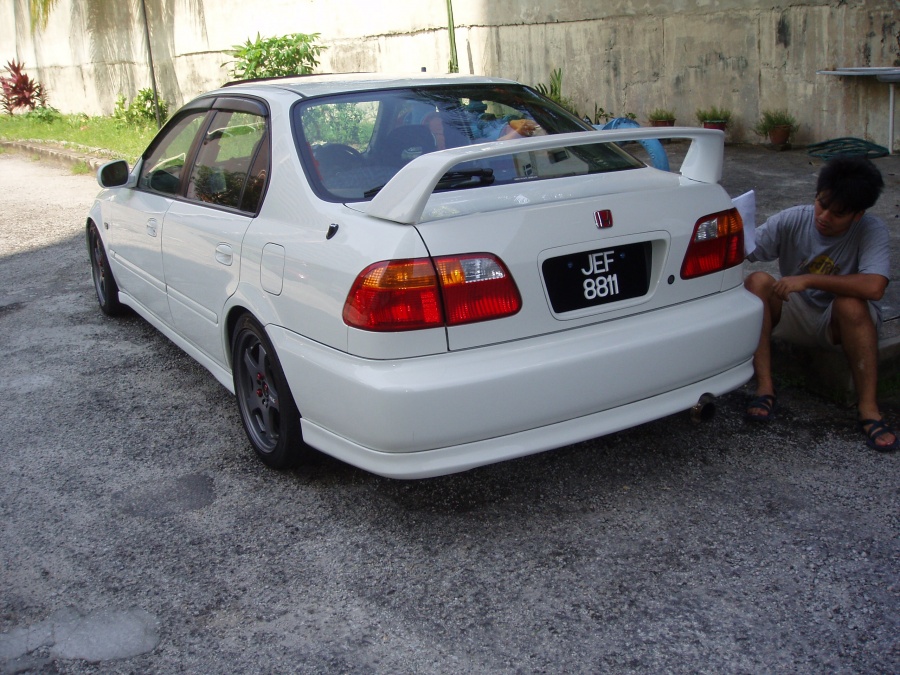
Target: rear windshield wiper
[[465, 178], [452, 180]]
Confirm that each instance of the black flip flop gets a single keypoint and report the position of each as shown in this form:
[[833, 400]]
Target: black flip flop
[[765, 402], [877, 429]]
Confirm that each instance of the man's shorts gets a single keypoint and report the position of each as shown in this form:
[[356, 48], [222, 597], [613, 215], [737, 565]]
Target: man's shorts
[[809, 326]]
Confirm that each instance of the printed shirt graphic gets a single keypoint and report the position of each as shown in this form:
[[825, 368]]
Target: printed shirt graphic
[[791, 237], [822, 265]]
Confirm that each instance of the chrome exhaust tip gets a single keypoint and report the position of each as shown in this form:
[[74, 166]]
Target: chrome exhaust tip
[[704, 409]]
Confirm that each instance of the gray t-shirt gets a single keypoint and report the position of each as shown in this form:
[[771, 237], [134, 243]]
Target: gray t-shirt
[[791, 237]]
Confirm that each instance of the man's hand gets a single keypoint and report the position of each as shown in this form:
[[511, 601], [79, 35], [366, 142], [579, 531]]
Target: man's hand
[[787, 285]]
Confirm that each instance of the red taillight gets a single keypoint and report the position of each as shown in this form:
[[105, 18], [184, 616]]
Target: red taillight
[[476, 287], [716, 244], [397, 295]]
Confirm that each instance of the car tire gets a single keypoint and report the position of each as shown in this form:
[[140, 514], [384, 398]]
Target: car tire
[[268, 412], [104, 283]]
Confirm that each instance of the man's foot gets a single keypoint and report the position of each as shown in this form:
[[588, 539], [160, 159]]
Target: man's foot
[[761, 408], [879, 435]]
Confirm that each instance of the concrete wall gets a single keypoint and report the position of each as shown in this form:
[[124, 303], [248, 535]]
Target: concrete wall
[[621, 55]]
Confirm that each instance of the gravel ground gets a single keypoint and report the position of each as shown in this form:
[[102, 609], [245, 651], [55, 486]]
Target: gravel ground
[[140, 535]]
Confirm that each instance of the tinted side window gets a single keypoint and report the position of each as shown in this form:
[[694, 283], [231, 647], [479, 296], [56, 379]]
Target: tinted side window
[[225, 158], [256, 181], [162, 169]]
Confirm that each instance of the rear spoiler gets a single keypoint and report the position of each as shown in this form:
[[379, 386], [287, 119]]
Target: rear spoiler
[[403, 198]]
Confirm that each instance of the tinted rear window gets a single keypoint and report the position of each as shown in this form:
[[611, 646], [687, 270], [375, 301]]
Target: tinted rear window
[[352, 145]]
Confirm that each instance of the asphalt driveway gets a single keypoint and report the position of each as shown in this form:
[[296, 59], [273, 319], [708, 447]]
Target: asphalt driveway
[[140, 535]]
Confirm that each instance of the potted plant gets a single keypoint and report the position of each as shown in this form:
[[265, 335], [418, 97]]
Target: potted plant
[[661, 117], [777, 125], [714, 118]]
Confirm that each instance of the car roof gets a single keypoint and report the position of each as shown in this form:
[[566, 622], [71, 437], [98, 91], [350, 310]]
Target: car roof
[[339, 83]]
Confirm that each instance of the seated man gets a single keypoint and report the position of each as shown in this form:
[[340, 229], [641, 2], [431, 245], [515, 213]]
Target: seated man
[[834, 265]]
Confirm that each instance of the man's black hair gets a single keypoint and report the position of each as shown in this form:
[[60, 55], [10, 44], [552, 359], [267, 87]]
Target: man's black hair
[[851, 184]]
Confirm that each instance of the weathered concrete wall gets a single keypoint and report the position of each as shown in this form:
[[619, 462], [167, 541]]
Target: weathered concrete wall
[[621, 55]]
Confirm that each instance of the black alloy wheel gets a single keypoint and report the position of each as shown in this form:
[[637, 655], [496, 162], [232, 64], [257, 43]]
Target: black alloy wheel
[[104, 283], [268, 412]]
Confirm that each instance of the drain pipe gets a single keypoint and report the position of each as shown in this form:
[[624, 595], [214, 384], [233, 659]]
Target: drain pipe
[[453, 66], [152, 70]]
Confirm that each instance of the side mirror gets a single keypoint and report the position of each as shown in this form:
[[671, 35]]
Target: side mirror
[[113, 174]]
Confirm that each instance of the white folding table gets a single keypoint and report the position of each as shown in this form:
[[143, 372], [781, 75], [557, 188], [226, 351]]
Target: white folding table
[[888, 75]]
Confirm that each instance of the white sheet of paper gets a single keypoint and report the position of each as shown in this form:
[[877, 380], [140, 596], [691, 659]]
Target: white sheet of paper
[[746, 206]]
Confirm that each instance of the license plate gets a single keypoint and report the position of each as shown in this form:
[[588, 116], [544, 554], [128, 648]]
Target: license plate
[[598, 277]]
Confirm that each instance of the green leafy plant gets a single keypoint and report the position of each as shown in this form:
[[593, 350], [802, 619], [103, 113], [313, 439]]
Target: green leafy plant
[[713, 114], [660, 115], [140, 112], [19, 90], [774, 118], [44, 114], [121, 110], [602, 116], [293, 54], [553, 91]]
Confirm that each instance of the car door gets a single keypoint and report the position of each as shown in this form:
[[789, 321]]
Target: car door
[[135, 217], [203, 233]]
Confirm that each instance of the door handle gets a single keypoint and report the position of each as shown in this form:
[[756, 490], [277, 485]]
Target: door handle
[[152, 226], [224, 254]]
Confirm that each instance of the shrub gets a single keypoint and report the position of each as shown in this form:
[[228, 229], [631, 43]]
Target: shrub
[[774, 118], [19, 90], [293, 54], [140, 112], [661, 114], [602, 116], [45, 114], [713, 114], [554, 91]]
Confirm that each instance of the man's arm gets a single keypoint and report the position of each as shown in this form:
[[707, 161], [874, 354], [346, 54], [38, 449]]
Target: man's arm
[[864, 286]]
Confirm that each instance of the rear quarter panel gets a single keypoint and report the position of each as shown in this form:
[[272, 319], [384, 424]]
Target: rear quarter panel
[[318, 271]]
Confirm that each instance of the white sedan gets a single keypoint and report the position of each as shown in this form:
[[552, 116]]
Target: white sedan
[[423, 275]]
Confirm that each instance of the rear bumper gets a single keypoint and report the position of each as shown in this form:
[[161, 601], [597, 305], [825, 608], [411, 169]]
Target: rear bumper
[[414, 418]]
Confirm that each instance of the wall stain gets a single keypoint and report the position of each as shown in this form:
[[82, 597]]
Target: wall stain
[[783, 32], [103, 21]]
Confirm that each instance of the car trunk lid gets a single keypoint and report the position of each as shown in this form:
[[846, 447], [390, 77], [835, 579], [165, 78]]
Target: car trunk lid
[[581, 249]]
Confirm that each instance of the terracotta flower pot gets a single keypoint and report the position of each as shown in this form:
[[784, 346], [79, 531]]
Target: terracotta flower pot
[[715, 124], [662, 123], [779, 135]]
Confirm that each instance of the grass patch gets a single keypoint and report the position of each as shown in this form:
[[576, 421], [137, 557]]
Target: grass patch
[[103, 136], [80, 168]]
